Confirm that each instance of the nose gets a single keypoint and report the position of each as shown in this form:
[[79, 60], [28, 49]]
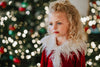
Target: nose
[[54, 27]]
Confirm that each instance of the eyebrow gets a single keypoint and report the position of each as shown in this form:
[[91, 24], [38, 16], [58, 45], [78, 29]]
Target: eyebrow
[[56, 21]]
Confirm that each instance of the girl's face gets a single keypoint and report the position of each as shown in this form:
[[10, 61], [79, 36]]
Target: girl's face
[[58, 23]]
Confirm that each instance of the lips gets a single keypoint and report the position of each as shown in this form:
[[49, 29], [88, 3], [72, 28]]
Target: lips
[[56, 32]]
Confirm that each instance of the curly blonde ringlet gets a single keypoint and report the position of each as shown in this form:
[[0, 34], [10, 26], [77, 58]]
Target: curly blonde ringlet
[[76, 30]]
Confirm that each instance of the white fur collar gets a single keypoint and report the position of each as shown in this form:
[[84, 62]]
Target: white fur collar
[[49, 43]]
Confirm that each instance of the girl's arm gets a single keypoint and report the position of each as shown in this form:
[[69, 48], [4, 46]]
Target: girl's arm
[[80, 62], [43, 59]]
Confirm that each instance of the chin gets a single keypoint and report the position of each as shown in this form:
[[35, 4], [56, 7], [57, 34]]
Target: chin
[[57, 35]]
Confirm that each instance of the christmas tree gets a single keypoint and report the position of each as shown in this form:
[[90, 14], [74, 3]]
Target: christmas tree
[[21, 28], [92, 28]]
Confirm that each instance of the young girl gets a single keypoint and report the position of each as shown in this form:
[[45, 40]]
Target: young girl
[[65, 45]]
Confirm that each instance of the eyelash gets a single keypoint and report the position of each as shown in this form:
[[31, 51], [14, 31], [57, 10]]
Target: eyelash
[[50, 24], [57, 23]]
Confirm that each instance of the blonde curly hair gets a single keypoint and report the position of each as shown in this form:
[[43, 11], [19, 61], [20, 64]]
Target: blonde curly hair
[[76, 31]]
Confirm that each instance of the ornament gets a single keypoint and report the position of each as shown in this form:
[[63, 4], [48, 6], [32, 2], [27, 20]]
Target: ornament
[[16, 60], [10, 32], [11, 57], [98, 3], [3, 4], [24, 4], [94, 2], [98, 26], [93, 26], [98, 17], [42, 31], [94, 31], [31, 31], [86, 28], [22, 9], [11, 27], [1, 50]]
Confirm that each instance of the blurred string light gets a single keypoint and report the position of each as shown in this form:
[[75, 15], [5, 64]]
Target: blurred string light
[[36, 33], [7, 42], [99, 46], [88, 31], [90, 50], [23, 35], [33, 41], [33, 36], [5, 18], [3, 41], [21, 46], [18, 33], [13, 18], [96, 49], [16, 51], [20, 42], [10, 2], [97, 58], [19, 50], [46, 19], [33, 53], [14, 43], [9, 47], [98, 3], [5, 50], [38, 42], [93, 45], [38, 50], [38, 64], [46, 9], [89, 62], [28, 56], [13, 65], [8, 13], [22, 56], [35, 45], [39, 17], [42, 24], [15, 26], [10, 40], [28, 12], [27, 51], [25, 31], [10, 53], [93, 10]]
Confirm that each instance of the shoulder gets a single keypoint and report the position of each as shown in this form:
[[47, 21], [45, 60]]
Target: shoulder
[[77, 48], [47, 41], [45, 38]]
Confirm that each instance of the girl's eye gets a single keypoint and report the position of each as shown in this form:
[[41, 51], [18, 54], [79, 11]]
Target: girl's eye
[[59, 23], [50, 24]]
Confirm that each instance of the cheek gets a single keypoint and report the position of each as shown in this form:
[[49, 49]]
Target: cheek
[[50, 29], [64, 29]]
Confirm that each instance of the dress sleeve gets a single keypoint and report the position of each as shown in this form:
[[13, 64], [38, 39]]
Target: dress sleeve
[[43, 59], [80, 62]]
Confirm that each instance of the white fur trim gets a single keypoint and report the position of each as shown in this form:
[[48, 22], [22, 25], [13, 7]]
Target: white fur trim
[[49, 43]]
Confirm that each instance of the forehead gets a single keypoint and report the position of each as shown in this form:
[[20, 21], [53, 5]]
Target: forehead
[[57, 16]]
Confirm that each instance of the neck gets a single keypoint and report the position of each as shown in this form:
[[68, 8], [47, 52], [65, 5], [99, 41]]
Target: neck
[[60, 40]]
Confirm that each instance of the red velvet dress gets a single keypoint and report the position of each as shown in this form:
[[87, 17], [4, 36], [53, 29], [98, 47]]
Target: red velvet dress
[[73, 61], [69, 54]]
